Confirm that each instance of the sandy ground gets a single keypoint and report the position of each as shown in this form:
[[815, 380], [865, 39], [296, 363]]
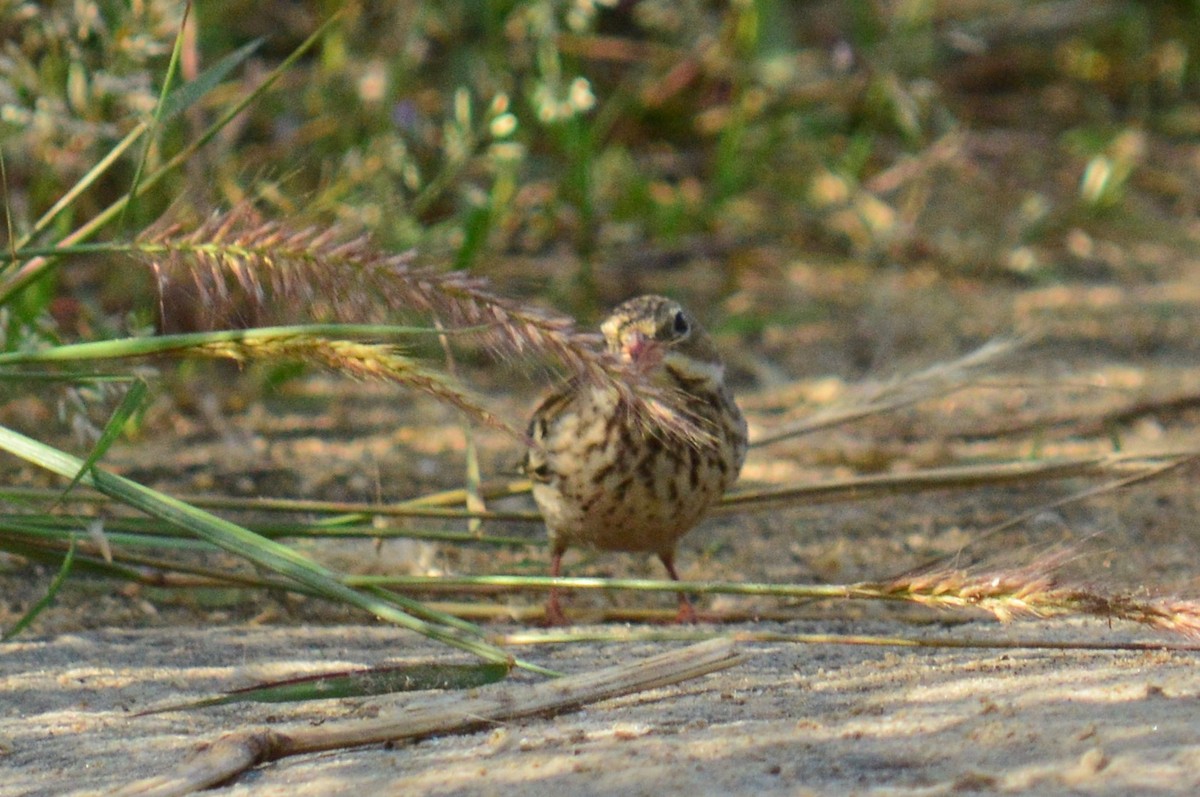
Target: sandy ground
[[793, 719], [1104, 370]]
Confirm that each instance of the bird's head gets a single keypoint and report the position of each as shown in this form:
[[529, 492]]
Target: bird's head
[[654, 332]]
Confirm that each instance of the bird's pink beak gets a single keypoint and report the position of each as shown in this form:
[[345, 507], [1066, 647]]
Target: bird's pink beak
[[641, 351]]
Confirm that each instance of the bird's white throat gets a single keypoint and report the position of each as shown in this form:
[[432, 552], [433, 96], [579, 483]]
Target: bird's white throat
[[712, 373]]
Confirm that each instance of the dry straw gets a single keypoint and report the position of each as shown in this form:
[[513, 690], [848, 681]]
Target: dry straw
[[234, 753]]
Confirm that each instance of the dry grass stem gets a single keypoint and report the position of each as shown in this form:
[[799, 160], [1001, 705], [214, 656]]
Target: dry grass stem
[[438, 505], [460, 712], [937, 380], [1131, 468], [1144, 465], [1033, 590], [1152, 472], [472, 477], [680, 634]]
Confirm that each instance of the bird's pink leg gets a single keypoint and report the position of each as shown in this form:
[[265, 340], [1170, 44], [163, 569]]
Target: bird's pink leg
[[687, 612], [554, 612]]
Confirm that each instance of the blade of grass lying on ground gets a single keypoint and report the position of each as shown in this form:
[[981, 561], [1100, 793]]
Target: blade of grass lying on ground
[[186, 575], [54, 553], [360, 683], [50, 545], [441, 505], [1143, 466], [1028, 590], [627, 634], [167, 574], [234, 753], [347, 511], [268, 554], [146, 532], [1131, 466], [371, 531], [1032, 590]]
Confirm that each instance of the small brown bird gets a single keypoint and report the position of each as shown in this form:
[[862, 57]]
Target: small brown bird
[[612, 478]]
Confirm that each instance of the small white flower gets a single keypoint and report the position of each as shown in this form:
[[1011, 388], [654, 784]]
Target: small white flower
[[580, 95]]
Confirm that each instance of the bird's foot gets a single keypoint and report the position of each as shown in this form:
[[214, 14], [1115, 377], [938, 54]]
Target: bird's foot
[[554, 614], [687, 612]]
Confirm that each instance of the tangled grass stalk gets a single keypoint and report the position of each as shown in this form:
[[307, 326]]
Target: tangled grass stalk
[[237, 268]]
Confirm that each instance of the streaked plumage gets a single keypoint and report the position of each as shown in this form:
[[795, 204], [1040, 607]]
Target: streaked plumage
[[609, 478]]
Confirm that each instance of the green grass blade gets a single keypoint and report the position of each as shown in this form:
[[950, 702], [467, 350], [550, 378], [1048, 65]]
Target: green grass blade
[[189, 94], [74, 377], [8, 220], [35, 268], [81, 563], [414, 507], [418, 609], [47, 599], [125, 541], [364, 683], [146, 532], [156, 124], [246, 544], [67, 199], [178, 101], [131, 403], [163, 344]]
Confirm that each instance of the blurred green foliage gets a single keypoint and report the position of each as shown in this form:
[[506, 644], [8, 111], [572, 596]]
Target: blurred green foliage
[[478, 129]]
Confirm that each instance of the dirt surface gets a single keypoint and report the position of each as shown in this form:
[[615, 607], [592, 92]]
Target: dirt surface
[[792, 720], [1108, 364]]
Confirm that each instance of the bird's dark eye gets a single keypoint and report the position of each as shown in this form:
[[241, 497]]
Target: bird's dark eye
[[682, 327]]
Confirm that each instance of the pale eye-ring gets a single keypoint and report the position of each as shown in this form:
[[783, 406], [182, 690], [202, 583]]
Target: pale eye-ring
[[682, 327]]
